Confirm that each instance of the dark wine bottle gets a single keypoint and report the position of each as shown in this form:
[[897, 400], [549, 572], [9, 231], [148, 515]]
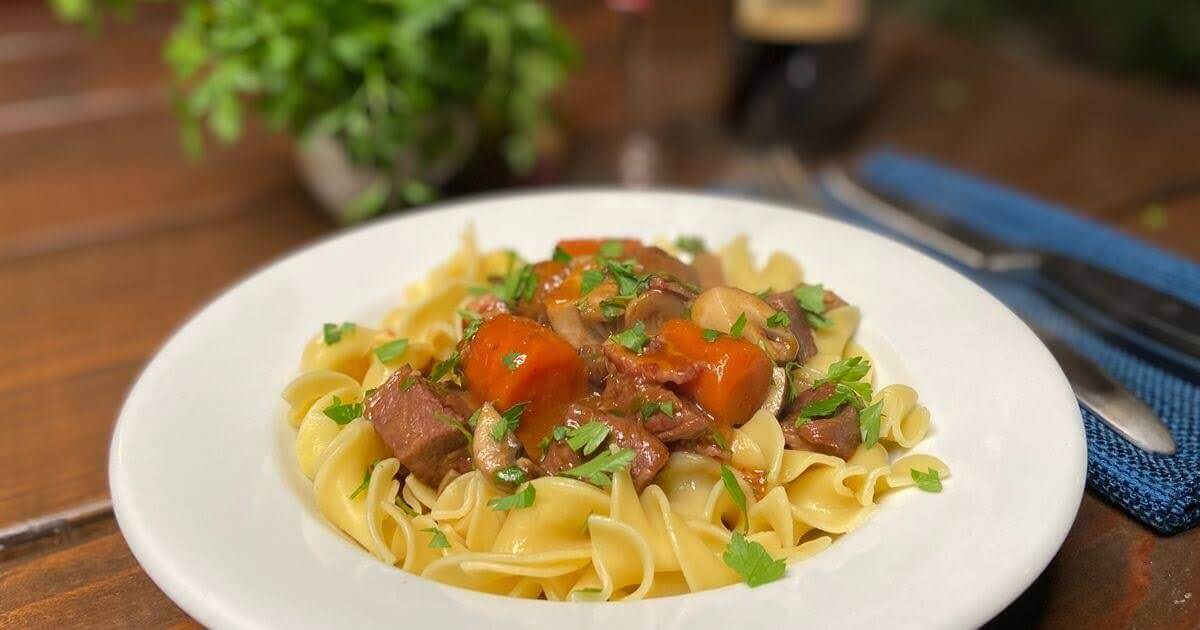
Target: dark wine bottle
[[800, 74]]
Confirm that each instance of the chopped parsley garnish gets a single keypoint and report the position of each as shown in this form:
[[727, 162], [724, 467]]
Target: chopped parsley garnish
[[633, 338], [444, 368], [819, 408], [790, 390], [611, 249], [560, 255], [591, 590], [343, 413], [868, 424], [522, 499], [812, 300], [665, 408], [764, 294], [473, 320], [690, 244], [738, 326], [587, 438], [366, 482], [629, 283], [710, 335], [407, 383], [439, 539], [561, 432], [392, 350], [589, 280], [513, 360], [509, 421], [719, 440], [612, 308], [519, 284], [332, 333], [404, 507], [473, 419], [779, 320], [454, 423], [599, 470], [735, 493], [847, 374], [752, 561], [370, 392], [929, 481], [512, 475]]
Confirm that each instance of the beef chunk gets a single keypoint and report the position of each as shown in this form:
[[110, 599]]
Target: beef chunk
[[657, 261], [837, 434], [650, 455], [786, 302], [624, 396], [559, 457], [596, 365], [658, 363], [416, 420], [547, 275]]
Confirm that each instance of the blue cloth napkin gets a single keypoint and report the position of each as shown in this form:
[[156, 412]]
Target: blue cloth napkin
[[1161, 491]]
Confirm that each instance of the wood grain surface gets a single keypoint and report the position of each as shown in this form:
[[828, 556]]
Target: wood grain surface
[[109, 238]]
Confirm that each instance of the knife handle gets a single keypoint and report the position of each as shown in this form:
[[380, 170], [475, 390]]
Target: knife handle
[[1134, 305]]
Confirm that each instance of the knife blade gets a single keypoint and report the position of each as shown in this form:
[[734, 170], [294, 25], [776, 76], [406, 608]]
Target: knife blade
[[1141, 308], [1111, 401]]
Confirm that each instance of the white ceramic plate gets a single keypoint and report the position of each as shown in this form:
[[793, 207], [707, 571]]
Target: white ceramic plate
[[212, 503]]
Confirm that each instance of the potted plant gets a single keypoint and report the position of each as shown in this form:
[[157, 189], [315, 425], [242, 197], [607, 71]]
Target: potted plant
[[387, 98]]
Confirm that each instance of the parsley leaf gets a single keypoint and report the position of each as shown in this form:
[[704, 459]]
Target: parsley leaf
[[473, 320], [516, 501], [392, 350], [812, 300], [407, 383], [589, 280], [928, 481], [719, 440], [473, 419], [454, 423], [560, 432], [629, 283], [752, 561], [519, 284], [868, 424], [665, 408], [439, 539], [735, 493], [825, 407], [366, 482], [513, 360], [332, 333], [738, 326], [598, 470], [587, 438], [512, 475], [850, 369], [632, 338], [710, 335], [560, 255], [779, 320], [690, 244], [342, 413], [446, 367], [612, 308], [404, 507], [611, 249], [509, 421]]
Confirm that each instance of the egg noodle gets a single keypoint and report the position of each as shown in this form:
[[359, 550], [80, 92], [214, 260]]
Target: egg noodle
[[578, 541]]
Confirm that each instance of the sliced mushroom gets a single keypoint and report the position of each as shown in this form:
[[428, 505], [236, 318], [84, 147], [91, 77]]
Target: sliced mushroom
[[568, 322], [708, 269], [653, 308], [774, 402], [719, 308], [491, 455]]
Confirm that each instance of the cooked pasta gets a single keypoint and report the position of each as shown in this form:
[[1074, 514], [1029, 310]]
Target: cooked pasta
[[751, 486]]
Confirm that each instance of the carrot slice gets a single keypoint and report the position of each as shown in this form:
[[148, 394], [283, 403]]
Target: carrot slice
[[591, 246], [512, 360], [735, 377]]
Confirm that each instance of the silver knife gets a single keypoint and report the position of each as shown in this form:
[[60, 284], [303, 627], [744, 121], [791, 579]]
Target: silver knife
[[1111, 401], [1136, 306]]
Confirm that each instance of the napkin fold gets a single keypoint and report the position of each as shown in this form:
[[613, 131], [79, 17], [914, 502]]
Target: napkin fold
[[1161, 491]]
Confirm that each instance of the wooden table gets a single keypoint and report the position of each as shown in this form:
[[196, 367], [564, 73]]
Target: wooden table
[[108, 239]]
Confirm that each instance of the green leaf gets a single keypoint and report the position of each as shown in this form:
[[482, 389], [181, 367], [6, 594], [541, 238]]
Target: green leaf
[[929, 481], [513, 360], [453, 423], [446, 367], [332, 333], [690, 244], [738, 326], [630, 284], [370, 202], [651, 408], [752, 561], [404, 507], [719, 440], [868, 424], [473, 323], [513, 475], [392, 350], [825, 407], [811, 298], [407, 383], [611, 249], [587, 438], [779, 320], [509, 421], [438, 541], [710, 335], [846, 370], [343, 413], [633, 338], [560, 255], [589, 280], [366, 482], [598, 470], [735, 492], [225, 120], [516, 501]]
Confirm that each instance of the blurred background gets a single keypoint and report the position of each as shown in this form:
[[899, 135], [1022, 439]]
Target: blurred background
[[153, 152]]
